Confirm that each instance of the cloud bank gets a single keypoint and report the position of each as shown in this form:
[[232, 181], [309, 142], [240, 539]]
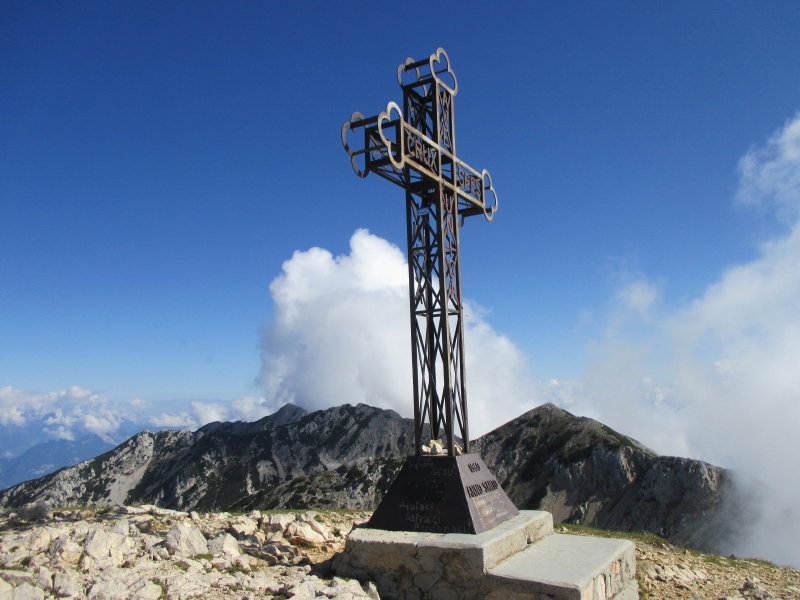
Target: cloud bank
[[29, 418], [718, 379], [64, 414]]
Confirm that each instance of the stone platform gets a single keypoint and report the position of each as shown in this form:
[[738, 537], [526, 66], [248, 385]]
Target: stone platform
[[520, 559]]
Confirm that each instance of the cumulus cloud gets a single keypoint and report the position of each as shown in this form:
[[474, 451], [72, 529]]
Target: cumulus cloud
[[250, 408], [207, 412], [64, 414], [340, 334], [246, 408], [726, 383], [180, 420]]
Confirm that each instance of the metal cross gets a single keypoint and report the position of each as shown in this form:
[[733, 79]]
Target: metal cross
[[416, 149]]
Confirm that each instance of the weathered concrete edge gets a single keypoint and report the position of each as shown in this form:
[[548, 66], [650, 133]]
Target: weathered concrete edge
[[484, 550], [612, 577]]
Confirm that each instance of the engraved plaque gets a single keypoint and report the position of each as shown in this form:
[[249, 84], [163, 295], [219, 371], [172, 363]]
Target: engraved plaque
[[443, 494]]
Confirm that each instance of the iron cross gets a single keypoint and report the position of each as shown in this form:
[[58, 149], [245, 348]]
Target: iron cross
[[416, 149]]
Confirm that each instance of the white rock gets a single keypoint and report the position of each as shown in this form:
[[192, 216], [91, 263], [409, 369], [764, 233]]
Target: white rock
[[243, 526], [149, 591], [188, 585], [264, 582], [254, 539], [122, 527], [279, 522], [106, 548], [28, 592], [6, 590], [66, 550], [67, 583], [320, 529], [372, 591], [300, 532], [185, 540], [17, 578], [38, 540], [134, 510], [43, 578], [224, 545]]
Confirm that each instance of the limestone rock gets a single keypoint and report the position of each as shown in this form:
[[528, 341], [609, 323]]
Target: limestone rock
[[185, 540], [107, 548], [65, 549], [301, 532], [243, 526], [224, 545], [6, 590], [278, 522], [26, 591], [67, 583]]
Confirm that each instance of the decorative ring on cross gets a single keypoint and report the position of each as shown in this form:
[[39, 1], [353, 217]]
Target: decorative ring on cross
[[407, 67], [354, 154], [486, 186], [386, 116], [439, 65]]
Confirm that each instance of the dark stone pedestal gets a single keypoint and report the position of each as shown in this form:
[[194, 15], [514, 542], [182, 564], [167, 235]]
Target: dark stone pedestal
[[443, 494]]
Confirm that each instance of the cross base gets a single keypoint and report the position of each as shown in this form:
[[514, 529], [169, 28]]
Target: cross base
[[443, 494]]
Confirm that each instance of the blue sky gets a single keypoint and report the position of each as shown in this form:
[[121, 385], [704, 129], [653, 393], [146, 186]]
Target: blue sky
[[161, 160], [168, 169]]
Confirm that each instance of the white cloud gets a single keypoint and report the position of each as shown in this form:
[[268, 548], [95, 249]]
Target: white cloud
[[65, 414], [769, 174], [207, 412], [250, 408], [246, 408], [181, 420], [638, 296], [730, 390], [341, 335]]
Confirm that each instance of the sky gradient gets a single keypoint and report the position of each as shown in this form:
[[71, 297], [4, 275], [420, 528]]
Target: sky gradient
[[162, 161], [173, 193]]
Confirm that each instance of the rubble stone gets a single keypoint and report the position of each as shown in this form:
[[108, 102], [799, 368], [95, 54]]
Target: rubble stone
[[185, 540]]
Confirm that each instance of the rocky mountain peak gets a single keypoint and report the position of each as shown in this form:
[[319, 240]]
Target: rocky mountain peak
[[346, 456]]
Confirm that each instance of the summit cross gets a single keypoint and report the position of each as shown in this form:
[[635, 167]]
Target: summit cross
[[415, 148]]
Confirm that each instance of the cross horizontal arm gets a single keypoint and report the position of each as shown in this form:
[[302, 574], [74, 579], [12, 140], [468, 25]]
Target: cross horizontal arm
[[390, 144]]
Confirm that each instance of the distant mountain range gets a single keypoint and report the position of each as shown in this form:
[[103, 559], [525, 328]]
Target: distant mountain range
[[49, 456], [347, 456]]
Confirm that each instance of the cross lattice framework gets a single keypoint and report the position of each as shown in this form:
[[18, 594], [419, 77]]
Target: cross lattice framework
[[416, 149]]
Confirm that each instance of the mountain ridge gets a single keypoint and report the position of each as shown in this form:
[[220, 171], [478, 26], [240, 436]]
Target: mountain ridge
[[579, 469]]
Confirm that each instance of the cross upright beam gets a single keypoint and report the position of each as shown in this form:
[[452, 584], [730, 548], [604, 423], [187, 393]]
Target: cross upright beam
[[415, 148]]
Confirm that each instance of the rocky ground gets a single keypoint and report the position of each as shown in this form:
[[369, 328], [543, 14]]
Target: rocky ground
[[666, 572], [151, 553]]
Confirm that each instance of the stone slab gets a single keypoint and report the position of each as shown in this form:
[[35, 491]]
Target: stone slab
[[520, 559], [571, 567], [484, 550]]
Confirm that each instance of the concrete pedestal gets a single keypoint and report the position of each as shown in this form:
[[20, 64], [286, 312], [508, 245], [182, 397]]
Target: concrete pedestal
[[520, 559]]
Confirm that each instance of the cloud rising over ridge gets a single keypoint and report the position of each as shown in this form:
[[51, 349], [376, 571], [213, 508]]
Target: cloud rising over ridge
[[340, 334], [728, 389]]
